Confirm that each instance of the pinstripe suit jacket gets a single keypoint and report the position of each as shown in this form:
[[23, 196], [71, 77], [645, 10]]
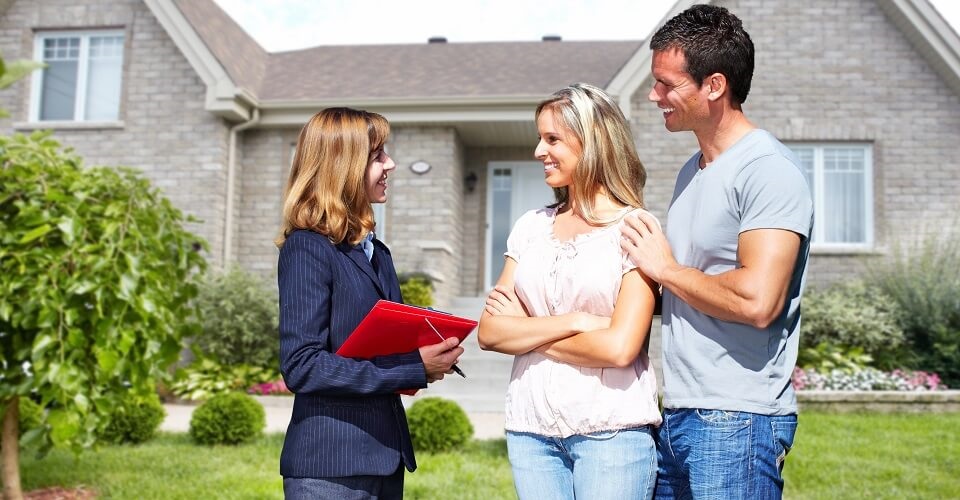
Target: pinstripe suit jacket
[[347, 418]]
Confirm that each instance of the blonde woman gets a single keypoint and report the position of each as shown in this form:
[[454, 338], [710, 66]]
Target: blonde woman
[[348, 435], [575, 312]]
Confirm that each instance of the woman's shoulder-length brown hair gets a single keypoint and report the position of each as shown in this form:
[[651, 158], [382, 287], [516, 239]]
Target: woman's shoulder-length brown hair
[[326, 191]]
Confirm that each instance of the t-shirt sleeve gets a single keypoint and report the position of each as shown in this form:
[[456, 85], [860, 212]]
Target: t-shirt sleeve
[[520, 235], [773, 194], [626, 263]]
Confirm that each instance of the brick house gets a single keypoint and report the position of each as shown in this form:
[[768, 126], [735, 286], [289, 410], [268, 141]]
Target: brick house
[[867, 92]]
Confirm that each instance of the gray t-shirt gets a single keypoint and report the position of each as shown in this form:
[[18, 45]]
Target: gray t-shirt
[[714, 364]]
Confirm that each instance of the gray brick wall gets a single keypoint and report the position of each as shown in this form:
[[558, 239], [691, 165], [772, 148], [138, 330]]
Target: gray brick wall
[[428, 207], [838, 71], [166, 132], [420, 208]]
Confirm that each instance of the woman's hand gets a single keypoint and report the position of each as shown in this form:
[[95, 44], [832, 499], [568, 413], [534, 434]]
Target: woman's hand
[[503, 301], [438, 359]]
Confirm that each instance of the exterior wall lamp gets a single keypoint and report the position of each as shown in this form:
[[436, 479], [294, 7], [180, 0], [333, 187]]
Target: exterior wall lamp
[[470, 181]]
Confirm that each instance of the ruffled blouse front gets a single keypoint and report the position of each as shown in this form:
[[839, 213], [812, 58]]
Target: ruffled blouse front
[[554, 398]]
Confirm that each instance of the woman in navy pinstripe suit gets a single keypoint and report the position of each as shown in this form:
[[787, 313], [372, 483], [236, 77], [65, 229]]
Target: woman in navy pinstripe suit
[[348, 435]]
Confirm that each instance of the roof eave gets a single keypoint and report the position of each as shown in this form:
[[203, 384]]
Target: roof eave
[[930, 34], [419, 110], [637, 69], [223, 98]]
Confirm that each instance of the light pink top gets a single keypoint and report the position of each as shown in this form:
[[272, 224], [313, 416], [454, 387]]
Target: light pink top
[[553, 398]]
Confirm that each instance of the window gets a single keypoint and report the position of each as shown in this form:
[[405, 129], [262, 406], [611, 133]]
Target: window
[[82, 79], [840, 177]]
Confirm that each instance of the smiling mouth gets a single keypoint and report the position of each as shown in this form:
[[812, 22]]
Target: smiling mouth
[[550, 166]]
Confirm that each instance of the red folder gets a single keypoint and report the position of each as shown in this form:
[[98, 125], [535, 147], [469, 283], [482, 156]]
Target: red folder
[[394, 328]]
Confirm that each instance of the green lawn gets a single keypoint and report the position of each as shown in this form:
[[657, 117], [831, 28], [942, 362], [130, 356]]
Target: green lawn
[[836, 456]]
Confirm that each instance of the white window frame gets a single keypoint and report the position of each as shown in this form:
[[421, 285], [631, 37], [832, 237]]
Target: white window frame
[[83, 65], [819, 201]]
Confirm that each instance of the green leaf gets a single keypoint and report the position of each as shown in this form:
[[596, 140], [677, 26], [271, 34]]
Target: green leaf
[[37, 232], [66, 227], [41, 344]]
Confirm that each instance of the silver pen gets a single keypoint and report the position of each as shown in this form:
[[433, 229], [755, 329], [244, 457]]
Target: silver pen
[[455, 368]]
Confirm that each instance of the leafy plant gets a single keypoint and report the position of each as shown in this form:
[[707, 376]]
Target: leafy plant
[[206, 378], [416, 289], [135, 420], [827, 357], [851, 317], [923, 280], [228, 418], [96, 276], [239, 318], [438, 424]]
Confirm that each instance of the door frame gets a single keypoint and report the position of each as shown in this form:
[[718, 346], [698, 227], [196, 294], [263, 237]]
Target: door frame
[[488, 280]]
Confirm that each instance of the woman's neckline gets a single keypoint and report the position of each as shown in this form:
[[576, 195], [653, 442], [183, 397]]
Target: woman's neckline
[[580, 237]]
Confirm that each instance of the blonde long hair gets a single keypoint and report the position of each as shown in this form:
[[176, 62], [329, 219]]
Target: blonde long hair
[[326, 191], [608, 160]]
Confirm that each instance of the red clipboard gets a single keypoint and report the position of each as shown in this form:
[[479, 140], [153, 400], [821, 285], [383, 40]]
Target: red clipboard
[[394, 328]]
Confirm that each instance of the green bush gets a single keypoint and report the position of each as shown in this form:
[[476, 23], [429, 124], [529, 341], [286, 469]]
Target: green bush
[[228, 418], [239, 320], [416, 289], [827, 357], [924, 282], [31, 415], [438, 424], [206, 377], [134, 421], [848, 317]]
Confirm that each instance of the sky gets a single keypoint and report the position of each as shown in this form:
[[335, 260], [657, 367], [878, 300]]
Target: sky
[[280, 25]]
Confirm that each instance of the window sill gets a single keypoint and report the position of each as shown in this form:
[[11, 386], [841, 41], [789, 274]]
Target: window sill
[[845, 250], [68, 125]]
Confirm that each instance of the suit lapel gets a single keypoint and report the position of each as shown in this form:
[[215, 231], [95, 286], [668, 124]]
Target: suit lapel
[[355, 254]]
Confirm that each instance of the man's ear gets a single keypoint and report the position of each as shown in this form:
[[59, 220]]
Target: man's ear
[[717, 86]]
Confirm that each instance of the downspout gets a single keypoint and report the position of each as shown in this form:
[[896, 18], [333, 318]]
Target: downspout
[[231, 179]]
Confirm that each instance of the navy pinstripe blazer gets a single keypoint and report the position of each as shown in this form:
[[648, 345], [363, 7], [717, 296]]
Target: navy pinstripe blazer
[[347, 418]]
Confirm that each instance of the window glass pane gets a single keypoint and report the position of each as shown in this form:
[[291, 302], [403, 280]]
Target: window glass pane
[[58, 93], [804, 155], [104, 75], [844, 220], [501, 188]]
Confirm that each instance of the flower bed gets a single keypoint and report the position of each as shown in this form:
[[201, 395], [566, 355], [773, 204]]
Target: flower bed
[[866, 379]]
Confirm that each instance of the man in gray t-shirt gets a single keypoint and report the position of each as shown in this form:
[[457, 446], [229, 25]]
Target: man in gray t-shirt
[[732, 265]]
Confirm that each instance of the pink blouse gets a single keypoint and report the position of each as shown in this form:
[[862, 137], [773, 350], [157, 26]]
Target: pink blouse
[[558, 399]]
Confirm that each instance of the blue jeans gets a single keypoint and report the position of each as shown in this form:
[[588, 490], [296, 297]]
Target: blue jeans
[[603, 465], [716, 454]]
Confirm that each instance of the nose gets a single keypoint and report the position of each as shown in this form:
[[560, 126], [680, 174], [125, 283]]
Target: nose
[[389, 164], [541, 150], [653, 96]]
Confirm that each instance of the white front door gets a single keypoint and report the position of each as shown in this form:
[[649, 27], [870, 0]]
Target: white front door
[[513, 189]]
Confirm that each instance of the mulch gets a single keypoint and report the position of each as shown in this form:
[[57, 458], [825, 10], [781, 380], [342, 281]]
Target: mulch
[[58, 493]]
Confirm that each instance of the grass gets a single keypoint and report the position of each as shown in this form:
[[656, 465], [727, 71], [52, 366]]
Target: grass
[[877, 456]]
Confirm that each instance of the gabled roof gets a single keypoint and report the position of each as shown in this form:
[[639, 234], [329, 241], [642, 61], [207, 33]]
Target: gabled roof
[[241, 56], [423, 71], [437, 82]]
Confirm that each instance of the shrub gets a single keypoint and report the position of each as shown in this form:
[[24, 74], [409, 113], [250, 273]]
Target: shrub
[[923, 281], [206, 377], [849, 317], [31, 415], [239, 320], [416, 289], [134, 421], [438, 424], [228, 418], [827, 357]]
